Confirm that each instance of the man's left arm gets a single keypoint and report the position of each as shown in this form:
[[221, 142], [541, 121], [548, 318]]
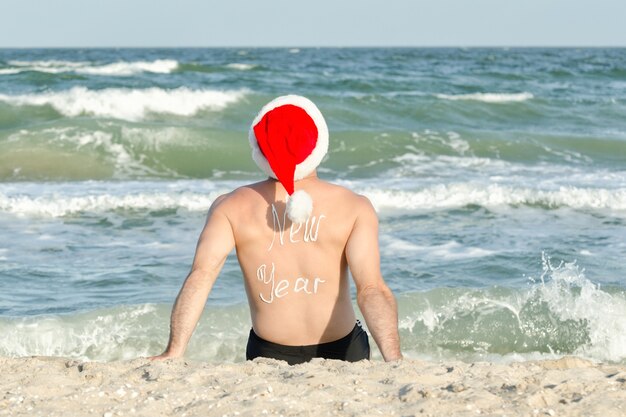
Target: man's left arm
[[215, 243]]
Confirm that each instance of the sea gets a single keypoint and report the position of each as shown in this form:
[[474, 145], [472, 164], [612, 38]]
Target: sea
[[498, 175]]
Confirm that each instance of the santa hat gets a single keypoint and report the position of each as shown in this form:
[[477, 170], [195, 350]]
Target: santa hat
[[289, 139]]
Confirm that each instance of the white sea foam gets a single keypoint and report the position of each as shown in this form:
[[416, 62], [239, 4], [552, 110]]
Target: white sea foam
[[160, 66], [128, 104], [463, 194], [489, 97], [431, 169], [122, 68], [447, 251], [601, 312], [58, 206], [9, 71], [52, 63], [93, 339], [420, 165], [452, 141], [63, 203], [563, 312], [122, 333], [240, 66]]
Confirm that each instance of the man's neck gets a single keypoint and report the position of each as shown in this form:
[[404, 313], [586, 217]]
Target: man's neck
[[312, 175]]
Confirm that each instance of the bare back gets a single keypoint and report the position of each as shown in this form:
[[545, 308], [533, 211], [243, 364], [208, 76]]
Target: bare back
[[295, 275]]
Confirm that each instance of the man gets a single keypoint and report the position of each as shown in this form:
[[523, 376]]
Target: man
[[295, 236]]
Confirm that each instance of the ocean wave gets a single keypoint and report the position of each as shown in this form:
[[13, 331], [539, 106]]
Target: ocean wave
[[121, 68], [494, 195], [51, 63], [59, 206], [123, 333], [113, 149], [393, 247], [240, 66], [438, 197], [128, 104], [95, 145], [561, 312], [489, 97], [9, 71], [436, 166]]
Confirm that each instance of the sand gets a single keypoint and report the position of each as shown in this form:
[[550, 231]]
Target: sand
[[60, 387]]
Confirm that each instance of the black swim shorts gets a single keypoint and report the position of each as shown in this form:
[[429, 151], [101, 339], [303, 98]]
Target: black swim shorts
[[352, 348]]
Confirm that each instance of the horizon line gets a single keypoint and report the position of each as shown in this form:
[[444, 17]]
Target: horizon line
[[327, 47]]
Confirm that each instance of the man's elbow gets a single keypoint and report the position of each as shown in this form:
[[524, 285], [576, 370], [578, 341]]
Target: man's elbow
[[199, 276], [209, 266], [373, 290]]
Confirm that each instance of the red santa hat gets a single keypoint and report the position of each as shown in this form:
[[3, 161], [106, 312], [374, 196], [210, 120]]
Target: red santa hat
[[289, 139]]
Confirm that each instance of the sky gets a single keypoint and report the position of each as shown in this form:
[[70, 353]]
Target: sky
[[343, 23]]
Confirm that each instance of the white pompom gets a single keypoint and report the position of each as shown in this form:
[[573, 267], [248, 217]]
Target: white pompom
[[299, 206]]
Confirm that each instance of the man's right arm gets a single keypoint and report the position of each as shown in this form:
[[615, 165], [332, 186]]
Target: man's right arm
[[215, 243], [375, 299]]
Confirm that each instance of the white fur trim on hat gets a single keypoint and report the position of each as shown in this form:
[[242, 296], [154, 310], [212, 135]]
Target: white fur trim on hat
[[321, 147]]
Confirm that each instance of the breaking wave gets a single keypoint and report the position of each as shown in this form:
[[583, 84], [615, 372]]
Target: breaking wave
[[121, 68], [561, 313], [494, 195], [194, 196], [489, 97], [127, 104]]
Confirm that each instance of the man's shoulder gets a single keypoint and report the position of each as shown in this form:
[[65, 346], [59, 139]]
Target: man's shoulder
[[348, 194], [240, 195], [349, 200]]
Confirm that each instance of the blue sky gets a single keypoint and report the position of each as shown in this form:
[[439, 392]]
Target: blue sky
[[82, 23]]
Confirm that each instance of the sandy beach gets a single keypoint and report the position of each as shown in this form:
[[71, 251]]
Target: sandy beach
[[60, 387]]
